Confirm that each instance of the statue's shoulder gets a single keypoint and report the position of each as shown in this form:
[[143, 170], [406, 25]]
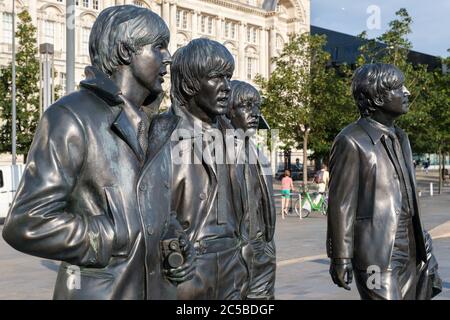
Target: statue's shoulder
[[351, 131], [80, 102], [164, 123]]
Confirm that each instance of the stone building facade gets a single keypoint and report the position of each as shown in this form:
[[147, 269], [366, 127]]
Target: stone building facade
[[253, 30]]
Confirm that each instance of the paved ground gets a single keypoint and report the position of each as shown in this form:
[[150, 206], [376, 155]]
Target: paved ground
[[302, 264]]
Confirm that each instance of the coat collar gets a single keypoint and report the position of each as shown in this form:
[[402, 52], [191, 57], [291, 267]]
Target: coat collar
[[102, 86], [375, 131]]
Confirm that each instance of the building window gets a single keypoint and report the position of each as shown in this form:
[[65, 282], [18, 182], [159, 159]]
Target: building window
[[59, 0], [49, 32], [86, 3], [7, 27], [95, 4], [210, 25], [182, 17], [206, 24], [2, 184], [230, 30], [252, 34], [62, 77], [85, 41], [251, 68], [203, 24], [227, 29]]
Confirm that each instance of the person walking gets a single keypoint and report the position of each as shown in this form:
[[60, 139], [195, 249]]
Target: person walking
[[286, 187]]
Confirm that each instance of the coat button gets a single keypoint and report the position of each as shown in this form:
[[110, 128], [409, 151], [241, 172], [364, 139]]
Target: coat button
[[185, 225], [397, 211], [202, 196], [149, 230], [151, 273], [166, 185], [395, 176], [143, 187]]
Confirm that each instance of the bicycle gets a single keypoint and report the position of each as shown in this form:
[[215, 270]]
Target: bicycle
[[308, 204]]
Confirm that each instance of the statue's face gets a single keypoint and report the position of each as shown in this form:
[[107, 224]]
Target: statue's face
[[246, 114], [150, 66], [213, 95], [396, 101]]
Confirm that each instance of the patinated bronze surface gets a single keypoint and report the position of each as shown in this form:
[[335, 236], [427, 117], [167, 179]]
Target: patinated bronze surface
[[205, 192], [374, 228], [95, 191], [258, 224]]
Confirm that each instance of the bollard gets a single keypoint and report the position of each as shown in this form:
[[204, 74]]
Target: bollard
[[431, 189]]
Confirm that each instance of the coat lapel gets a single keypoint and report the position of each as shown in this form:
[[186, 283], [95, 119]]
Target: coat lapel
[[124, 130]]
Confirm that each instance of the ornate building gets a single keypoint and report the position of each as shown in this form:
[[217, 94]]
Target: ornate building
[[253, 30]]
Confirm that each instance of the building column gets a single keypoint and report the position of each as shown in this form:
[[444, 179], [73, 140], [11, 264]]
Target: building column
[[264, 56], [273, 47], [173, 26], [195, 15], [165, 11], [220, 28], [241, 53], [32, 9]]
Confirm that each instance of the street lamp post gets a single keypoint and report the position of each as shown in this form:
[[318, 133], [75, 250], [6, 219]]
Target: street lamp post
[[70, 46], [13, 94]]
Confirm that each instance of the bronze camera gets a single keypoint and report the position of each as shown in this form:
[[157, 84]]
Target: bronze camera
[[171, 252]]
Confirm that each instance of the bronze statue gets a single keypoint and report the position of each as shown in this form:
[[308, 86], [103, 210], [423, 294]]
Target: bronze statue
[[258, 225], [95, 191], [205, 190], [374, 227]]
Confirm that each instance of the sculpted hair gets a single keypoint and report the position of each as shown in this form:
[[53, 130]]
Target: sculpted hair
[[372, 82], [119, 27], [241, 91], [199, 58]]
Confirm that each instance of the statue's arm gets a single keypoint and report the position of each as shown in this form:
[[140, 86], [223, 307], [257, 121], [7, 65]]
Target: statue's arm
[[343, 197], [39, 222]]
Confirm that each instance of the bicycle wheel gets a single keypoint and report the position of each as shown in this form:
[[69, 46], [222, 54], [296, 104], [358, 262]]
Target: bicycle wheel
[[306, 209]]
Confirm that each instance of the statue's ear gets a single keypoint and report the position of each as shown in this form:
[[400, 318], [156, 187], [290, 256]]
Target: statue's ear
[[124, 52], [378, 101]]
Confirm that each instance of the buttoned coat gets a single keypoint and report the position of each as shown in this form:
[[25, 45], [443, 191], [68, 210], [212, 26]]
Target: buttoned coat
[[365, 199], [90, 198]]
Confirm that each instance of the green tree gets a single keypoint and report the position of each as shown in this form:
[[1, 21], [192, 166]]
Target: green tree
[[27, 93], [304, 96]]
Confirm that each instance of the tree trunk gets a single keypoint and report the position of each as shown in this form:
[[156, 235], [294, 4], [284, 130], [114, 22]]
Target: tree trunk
[[440, 172], [305, 159]]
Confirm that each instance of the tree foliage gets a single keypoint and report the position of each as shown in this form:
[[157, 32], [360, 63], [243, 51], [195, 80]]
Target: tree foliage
[[27, 93], [306, 92]]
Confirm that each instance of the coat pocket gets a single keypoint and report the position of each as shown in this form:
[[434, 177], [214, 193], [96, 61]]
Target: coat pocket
[[117, 213]]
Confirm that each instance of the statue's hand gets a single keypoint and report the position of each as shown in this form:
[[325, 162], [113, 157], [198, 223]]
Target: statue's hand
[[341, 272], [185, 271]]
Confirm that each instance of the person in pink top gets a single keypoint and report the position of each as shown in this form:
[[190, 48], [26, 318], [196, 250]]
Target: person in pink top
[[286, 187]]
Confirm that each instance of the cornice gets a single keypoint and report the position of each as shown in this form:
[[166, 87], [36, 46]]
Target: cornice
[[238, 6]]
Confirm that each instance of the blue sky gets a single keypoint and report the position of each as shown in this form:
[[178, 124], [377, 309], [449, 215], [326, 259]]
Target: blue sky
[[430, 28]]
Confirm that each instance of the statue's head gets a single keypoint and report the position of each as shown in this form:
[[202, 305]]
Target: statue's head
[[244, 106], [380, 86], [200, 73], [131, 37]]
